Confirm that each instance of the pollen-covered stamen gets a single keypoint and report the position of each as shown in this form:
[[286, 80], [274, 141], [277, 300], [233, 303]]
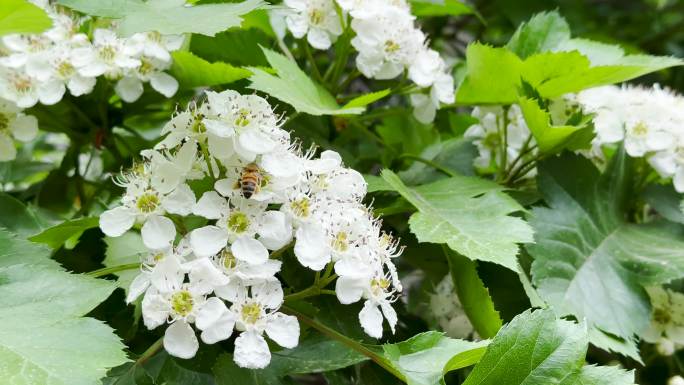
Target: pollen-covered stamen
[[22, 84], [107, 53], [250, 312], [301, 207], [391, 46], [182, 303], [238, 222], [146, 66], [379, 286], [640, 129], [65, 69], [315, 16], [147, 202], [341, 242], [243, 118], [227, 259]]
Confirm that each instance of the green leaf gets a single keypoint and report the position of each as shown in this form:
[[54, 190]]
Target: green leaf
[[588, 261], [56, 236], [122, 251], [553, 139], [535, 348], [235, 46], [425, 358], [455, 155], [18, 218], [440, 8], [666, 201], [366, 99], [192, 71], [17, 251], [43, 339], [543, 32], [470, 215], [494, 75], [473, 295], [294, 87], [167, 16], [20, 16]]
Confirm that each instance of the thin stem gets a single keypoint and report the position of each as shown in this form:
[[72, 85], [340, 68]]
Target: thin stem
[[207, 159], [113, 269], [275, 254], [310, 58], [427, 162], [504, 141], [354, 345], [283, 47]]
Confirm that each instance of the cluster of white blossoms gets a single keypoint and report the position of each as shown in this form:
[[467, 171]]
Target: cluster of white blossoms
[[42, 67], [14, 124], [666, 329], [497, 126], [267, 196], [388, 44], [650, 121]]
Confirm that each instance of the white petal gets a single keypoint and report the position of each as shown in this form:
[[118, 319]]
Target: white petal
[[219, 128], [180, 340], [140, 283], [210, 205], [221, 148], [269, 294], [371, 320], [167, 275], [117, 221], [51, 92], [235, 291], [210, 313], [249, 250], [349, 290], [164, 83], [390, 314], [220, 330], [24, 128], [678, 179], [205, 275], [283, 329], [208, 240], [129, 89], [318, 38], [251, 351], [180, 201], [158, 232], [80, 85], [166, 175], [275, 230], [155, 309], [255, 141], [311, 248]]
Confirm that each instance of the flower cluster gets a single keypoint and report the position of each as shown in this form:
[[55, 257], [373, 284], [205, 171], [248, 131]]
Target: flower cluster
[[500, 129], [388, 43], [666, 329], [14, 124], [267, 195], [42, 67], [448, 311], [649, 120]]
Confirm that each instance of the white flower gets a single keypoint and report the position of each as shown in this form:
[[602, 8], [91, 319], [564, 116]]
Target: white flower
[[255, 312], [676, 380], [14, 125], [317, 19], [667, 317], [387, 42], [448, 312], [109, 55], [155, 45]]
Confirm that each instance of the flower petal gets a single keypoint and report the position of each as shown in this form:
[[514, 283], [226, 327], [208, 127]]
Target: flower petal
[[275, 230], [371, 319], [220, 330], [24, 128], [129, 89], [251, 351], [208, 240], [283, 329], [180, 201], [311, 248], [140, 283], [117, 221], [158, 232], [180, 340], [210, 205], [269, 294], [164, 83], [209, 313], [249, 250]]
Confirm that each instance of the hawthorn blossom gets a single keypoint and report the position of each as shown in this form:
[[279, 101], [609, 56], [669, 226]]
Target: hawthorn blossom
[[318, 20], [14, 125]]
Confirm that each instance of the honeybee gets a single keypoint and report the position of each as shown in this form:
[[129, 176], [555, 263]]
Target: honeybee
[[250, 180]]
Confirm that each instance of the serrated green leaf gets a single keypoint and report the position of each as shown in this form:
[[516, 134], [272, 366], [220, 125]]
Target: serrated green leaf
[[17, 251], [293, 86], [494, 75], [455, 155], [167, 16], [588, 261], [192, 71], [469, 214], [18, 218], [43, 339], [238, 47], [543, 32], [440, 8], [366, 99], [535, 348], [425, 358], [20, 16], [56, 236], [553, 139], [473, 295]]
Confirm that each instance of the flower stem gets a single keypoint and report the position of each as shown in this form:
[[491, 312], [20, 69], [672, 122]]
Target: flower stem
[[113, 269], [150, 352], [207, 158], [354, 345]]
